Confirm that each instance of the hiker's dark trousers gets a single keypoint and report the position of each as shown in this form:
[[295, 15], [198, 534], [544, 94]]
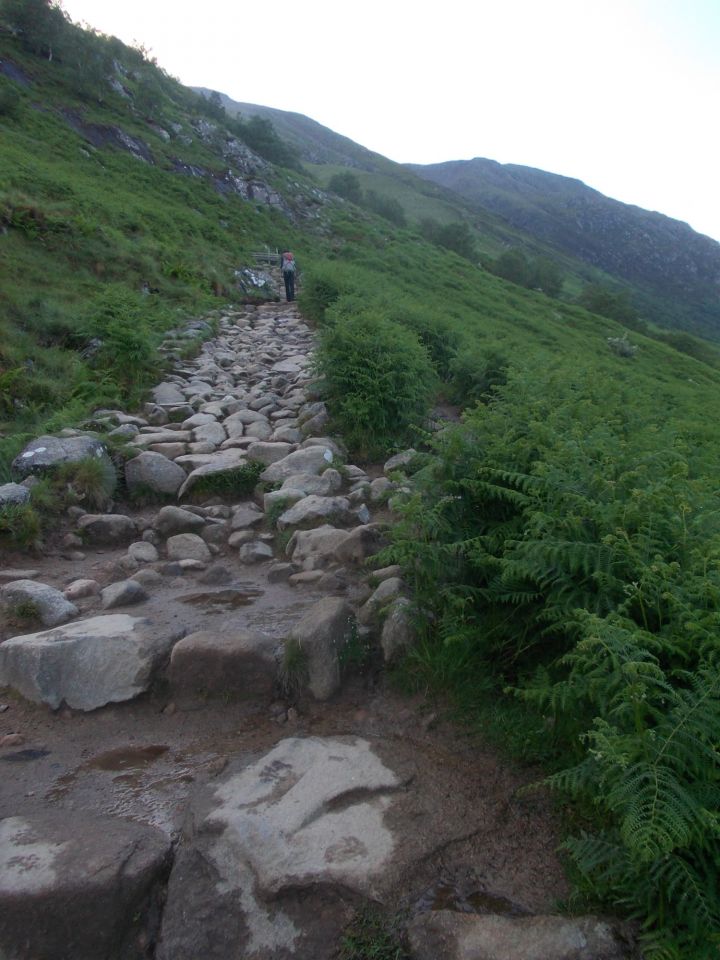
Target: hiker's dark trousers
[[289, 279]]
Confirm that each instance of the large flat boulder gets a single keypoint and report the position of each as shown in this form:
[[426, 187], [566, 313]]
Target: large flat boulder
[[315, 548], [73, 885], [85, 664], [172, 520], [222, 465], [273, 851]]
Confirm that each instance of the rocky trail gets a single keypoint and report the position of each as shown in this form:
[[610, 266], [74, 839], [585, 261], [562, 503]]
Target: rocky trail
[[200, 753]]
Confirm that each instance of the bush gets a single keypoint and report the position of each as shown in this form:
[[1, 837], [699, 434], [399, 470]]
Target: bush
[[387, 207], [346, 185], [475, 372], [323, 285], [117, 324], [19, 525], [378, 381], [452, 236], [539, 274]]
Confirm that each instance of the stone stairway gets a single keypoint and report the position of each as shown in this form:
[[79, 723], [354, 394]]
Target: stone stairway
[[199, 774]]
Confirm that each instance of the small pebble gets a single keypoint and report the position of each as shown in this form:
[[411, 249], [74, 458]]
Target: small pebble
[[12, 740], [429, 722], [216, 767]]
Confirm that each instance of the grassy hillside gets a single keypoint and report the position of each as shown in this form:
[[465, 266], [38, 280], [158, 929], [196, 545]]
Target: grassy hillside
[[102, 197], [674, 270], [561, 541]]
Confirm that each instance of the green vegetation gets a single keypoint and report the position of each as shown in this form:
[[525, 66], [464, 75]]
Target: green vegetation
[[97, 208], [230, 483], [563, 539], [452, 236], [88, 483], [348, 186], [20, 526], [371, 936], [539, 273], [293, 673], [565, 542], [378, 379]]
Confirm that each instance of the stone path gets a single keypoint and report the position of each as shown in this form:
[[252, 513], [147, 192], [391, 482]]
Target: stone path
[[182, 716]]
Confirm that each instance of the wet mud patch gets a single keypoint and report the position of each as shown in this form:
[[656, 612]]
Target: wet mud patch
[[222, 601], [466, 895], [22, 756]]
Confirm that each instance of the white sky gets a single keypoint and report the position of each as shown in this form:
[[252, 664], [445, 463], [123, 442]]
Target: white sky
[[622, 94]]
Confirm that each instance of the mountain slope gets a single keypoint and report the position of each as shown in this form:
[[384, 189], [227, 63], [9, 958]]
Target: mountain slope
[[677, 269]]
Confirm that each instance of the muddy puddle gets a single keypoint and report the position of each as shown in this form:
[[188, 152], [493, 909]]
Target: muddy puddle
[[458, 896], [140, 782], [222, 601]]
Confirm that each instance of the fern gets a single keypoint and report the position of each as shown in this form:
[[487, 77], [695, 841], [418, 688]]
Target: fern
[[565, 548]]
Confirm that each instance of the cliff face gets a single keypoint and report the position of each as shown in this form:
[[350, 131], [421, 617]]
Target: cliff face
[[669, 262]]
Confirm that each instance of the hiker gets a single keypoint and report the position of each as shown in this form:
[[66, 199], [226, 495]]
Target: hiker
[[288, 267]]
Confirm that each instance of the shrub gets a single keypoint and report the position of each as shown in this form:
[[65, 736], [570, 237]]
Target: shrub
[[90, 482], [323, 285], [346, 185], [378, 381], [387, 207], [293, 673], [475, 372], [127, 346]]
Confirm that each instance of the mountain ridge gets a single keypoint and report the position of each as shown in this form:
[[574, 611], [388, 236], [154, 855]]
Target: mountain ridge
[[671, 272]]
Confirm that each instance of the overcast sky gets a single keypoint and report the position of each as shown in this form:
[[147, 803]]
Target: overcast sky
[[622, 94]]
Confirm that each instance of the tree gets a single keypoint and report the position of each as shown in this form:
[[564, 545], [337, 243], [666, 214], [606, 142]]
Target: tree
[[617, 305], [260, 135], [452, 236], [513, 265], [39, 25], [346, 185], [546, 276], [387, 207]]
